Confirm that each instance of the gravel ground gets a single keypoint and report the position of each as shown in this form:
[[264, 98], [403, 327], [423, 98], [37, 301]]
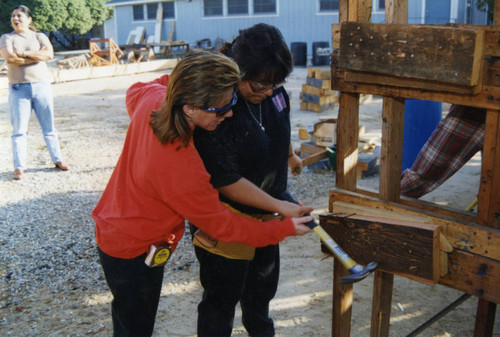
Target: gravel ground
[[51, 280], [49, 270]]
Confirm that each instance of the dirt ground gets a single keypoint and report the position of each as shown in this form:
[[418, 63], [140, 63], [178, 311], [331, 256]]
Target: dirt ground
[[303, 304]]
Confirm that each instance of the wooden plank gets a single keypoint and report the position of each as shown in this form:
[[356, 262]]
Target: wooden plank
[[473, 274], [308, 106], [312, 90], [323, 73], [366, 161], [346, 208], [335, 36], [407, 248], [488, 98], [321, 100], [443, 54], [357, 76], [157, 35], [311, 154], [460, 233], [319, 83], [425, 206]]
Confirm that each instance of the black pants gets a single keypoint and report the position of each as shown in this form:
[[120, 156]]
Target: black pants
[[136, 292], [226, 281]]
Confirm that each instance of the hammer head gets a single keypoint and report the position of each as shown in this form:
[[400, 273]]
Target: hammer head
[[358, 273]]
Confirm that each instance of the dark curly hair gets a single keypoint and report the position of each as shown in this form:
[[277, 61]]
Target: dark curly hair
[[261, 53]]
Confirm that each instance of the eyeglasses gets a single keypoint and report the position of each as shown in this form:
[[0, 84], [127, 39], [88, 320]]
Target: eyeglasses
[[219, 112], [259, 87]]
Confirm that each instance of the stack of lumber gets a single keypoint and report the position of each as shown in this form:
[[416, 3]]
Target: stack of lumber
[[316, 94]]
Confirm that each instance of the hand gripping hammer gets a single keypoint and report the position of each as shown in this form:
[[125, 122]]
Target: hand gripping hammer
[[358, 272]]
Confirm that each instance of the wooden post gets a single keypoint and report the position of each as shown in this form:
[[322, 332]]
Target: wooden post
[[396, 11], [347, 153], [489, 198], [489, 208], [342, 302]]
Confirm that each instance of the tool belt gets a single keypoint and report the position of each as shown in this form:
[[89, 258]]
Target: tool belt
[[231, 250]]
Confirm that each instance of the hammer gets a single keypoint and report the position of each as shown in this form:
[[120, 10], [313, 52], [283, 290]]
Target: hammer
[[358, 272]]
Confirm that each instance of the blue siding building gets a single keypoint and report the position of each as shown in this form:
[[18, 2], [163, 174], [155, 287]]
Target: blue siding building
[[306, 21]]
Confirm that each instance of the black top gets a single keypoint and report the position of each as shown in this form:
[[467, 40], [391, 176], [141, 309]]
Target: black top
[[240, 148]]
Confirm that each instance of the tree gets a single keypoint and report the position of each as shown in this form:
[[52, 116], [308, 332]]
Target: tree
[[65, 21]]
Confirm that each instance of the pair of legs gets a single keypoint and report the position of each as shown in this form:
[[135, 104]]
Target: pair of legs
[[136, 292], [227, 281], [23, 98], [457, 137]]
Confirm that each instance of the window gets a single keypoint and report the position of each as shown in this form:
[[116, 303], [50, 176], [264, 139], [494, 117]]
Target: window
[[381, 4], [152, 10], [168, 10], [264, 6], [329, 5], [237, 7], [212, 7], [138, 12]]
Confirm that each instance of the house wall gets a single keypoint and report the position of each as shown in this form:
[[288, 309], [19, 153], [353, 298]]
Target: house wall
[[298, 20]]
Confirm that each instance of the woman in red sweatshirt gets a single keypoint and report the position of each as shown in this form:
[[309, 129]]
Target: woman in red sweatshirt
[[160, 181]]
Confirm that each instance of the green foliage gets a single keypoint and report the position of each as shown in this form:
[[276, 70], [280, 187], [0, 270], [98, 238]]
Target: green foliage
[[68, 17]]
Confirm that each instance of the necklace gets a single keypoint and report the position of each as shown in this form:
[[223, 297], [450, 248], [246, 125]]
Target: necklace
[[260, 116]]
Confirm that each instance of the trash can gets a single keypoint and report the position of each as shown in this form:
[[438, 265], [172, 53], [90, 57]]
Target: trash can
[[321, 53], [421, 118], [299, 53]]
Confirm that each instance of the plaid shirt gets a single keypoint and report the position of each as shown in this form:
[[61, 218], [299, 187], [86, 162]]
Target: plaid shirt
[[458, 137]]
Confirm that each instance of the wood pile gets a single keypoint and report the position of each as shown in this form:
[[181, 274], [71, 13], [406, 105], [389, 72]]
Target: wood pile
[[316, 94]]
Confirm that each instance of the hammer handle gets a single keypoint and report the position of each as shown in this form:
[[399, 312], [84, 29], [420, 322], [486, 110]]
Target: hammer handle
[[343, 257]]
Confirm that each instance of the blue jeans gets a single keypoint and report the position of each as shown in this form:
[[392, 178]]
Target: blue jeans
[[23, 98]]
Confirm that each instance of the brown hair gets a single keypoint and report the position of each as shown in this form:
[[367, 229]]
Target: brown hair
[[200, 79], [26, 11]]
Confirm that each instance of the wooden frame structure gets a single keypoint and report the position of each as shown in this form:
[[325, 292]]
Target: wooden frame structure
[[398, 61], [104, 57]]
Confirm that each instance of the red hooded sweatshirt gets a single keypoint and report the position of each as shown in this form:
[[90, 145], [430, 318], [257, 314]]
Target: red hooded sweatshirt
[[155, 187]]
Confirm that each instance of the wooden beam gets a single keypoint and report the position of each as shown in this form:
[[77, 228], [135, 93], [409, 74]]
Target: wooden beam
[[489, 194], [473, 274], [347, 141], [363, 77], [485, 318], [442, 54], [382, 299], [403, 247], [462, 235], [425, 206], [392, 147], [342, 302], [488, 98], [396, 11]]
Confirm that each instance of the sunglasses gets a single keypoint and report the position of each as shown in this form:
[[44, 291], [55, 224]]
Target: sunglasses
[[219, 112], [259, 87]]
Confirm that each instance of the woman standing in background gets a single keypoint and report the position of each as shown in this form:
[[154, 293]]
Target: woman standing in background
[[26, 51]]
